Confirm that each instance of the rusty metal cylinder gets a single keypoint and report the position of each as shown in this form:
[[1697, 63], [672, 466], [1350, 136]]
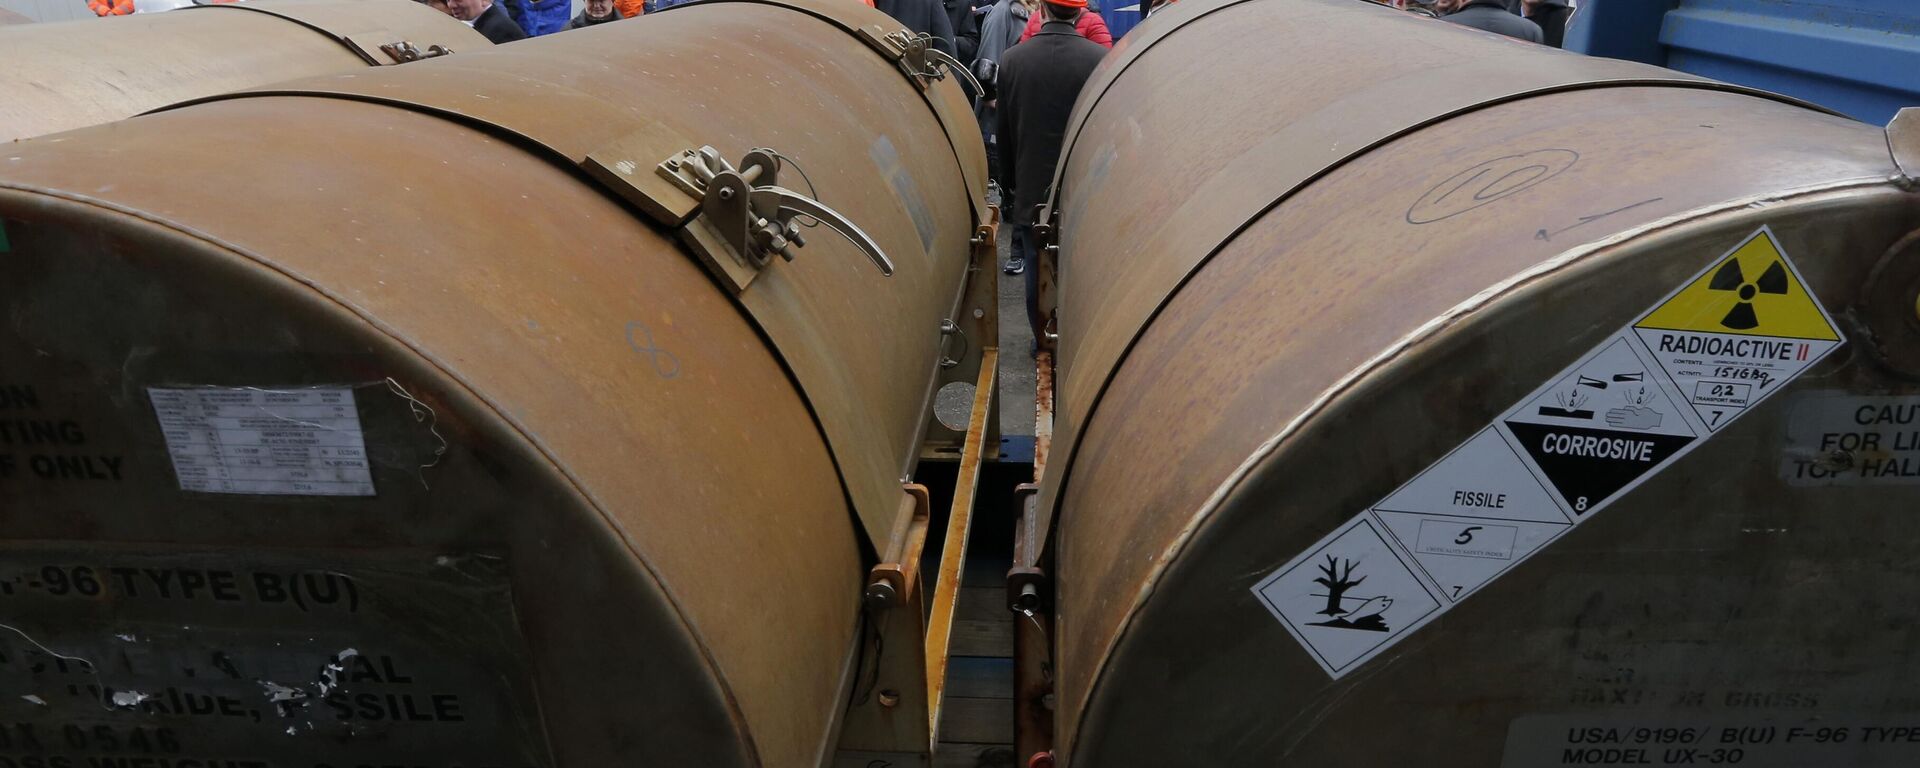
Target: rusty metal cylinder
[[1453, 401], [424, 416], [61, 76]]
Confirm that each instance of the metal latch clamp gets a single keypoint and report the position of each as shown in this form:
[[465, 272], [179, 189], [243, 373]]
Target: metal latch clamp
[[405, 51], [922, 62], [747, 218]]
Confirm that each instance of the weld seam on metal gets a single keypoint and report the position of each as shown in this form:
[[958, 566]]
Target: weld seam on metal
[[323, 31], [1072, 443], [673, 602], [567, 164], [975, 207], [1672, 79], [1392, 353]]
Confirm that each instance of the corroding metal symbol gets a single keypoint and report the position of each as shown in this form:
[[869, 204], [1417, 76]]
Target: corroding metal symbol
[[664, 362]]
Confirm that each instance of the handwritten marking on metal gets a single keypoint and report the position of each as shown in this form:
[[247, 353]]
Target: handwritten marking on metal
[[640, 338]]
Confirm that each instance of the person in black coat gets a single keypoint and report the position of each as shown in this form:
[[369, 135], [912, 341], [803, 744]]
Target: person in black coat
[[1552, 17], [922, 17], [488, 19], [966, 29], [1493, 16], [1038, 82]]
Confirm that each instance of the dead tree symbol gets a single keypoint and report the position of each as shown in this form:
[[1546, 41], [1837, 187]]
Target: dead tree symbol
[[1337, 585]]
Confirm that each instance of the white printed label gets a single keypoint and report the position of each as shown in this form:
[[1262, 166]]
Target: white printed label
[[1799, 740], [1731, 336], [1348, 598], [304, 442], [1839, 439], [1602, 427]]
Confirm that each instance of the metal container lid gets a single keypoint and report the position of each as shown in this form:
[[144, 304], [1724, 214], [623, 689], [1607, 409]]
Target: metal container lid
[[470, 457], [67, 75], [1347, 534]]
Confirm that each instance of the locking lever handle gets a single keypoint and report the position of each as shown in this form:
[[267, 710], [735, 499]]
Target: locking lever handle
[[785, 203]]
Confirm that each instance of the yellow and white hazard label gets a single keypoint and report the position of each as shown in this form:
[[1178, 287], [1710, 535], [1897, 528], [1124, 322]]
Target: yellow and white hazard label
[[1751, 291], [1732, 335], [1738, 331]]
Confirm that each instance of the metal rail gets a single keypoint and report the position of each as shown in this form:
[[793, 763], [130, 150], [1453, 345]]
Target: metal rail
[[953, 553]]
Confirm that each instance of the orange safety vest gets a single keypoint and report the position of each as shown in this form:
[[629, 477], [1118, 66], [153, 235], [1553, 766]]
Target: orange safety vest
[[630, 8], [110, 7]]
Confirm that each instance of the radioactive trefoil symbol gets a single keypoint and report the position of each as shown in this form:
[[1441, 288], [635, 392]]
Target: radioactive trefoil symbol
[[1338, 578], [1729, 278]]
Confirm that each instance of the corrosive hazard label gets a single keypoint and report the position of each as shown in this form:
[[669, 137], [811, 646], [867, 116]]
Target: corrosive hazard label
[[1728, 338], [1600, 428]]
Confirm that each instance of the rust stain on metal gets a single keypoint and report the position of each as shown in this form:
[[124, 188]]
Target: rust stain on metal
[[608, 465], [1042, 412], [1032, 683]]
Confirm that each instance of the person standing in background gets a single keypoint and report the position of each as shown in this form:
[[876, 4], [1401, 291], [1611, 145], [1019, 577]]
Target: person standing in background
[[1004, 23], [1087, 23], [1000, 30], [488, 19], [1039, 81], [110, 7], [595, 12], [1552, 17], [1492, 16], [966, 29], [922, 17], [540, 17]]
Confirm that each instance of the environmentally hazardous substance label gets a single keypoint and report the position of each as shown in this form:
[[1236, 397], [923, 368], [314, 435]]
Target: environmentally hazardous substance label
[[1842, 439], [1751, 741], [1730, 337], [260, 441], [1351, 596]]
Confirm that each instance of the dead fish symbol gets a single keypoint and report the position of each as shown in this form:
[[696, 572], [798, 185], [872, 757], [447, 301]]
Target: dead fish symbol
[[1372, 607]]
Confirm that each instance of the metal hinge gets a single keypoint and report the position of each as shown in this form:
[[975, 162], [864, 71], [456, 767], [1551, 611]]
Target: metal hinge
[[746, 218], [921, 61], [1903, 141]]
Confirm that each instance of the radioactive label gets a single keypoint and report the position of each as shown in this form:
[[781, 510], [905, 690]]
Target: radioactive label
[[1752, 290], [1729, 337], [1738, 331]]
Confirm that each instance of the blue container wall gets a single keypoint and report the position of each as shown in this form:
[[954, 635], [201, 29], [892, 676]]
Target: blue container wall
[[1126, 15], [1859, 57]]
